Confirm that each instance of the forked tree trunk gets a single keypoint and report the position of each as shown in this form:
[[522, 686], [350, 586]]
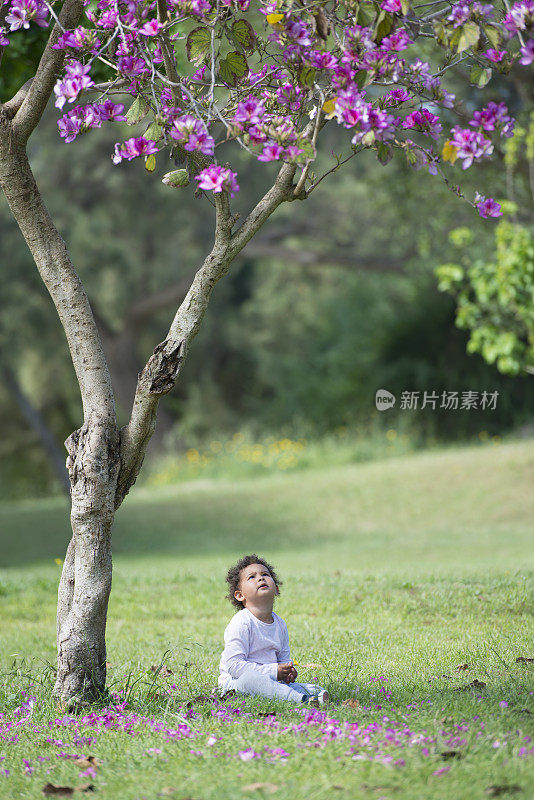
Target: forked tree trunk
[[103, 462], [94, 450]]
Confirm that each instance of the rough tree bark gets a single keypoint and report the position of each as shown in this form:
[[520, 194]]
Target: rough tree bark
[[103, 461]]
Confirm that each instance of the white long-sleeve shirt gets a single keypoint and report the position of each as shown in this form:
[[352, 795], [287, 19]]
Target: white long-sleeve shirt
[[250, 643]]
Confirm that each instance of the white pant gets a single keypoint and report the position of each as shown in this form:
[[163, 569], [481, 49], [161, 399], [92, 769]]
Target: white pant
[[252, 682]]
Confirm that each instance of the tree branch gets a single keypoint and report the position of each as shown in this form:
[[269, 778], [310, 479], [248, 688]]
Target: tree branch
[[161, 371], [34, 103]]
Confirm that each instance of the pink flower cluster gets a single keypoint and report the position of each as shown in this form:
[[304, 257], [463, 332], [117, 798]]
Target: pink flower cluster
[[471, 145], [76, 79], [193, 134], [22, 12], [132, 148], [494, 117], [82, 118], [218, 179], [353, 111]]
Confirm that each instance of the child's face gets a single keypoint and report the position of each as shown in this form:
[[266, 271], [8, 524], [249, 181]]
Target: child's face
[[256, 586]]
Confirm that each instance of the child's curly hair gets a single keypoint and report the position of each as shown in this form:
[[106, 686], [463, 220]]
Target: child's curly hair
[[234, 572]]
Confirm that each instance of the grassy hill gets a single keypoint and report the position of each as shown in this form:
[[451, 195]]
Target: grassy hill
[[400, 569]]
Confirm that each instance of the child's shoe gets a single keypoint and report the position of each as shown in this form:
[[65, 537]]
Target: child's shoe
[[321, 699]]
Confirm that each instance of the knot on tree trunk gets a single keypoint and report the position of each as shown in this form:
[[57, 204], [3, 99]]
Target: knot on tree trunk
[[93, 460], [162, 368]]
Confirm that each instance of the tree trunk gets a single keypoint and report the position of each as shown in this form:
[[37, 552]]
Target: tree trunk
[[94, 450], [85, 584]]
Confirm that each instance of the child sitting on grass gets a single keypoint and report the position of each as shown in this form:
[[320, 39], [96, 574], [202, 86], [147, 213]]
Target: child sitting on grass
[[256, 658]]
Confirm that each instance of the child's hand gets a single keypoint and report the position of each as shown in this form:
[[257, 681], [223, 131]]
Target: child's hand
[[285, 671]]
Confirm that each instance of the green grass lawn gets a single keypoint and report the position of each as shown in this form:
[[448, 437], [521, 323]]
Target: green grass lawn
[[394, 573]]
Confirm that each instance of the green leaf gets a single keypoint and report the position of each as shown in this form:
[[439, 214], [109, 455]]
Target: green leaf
[[306, 76], [480, 76], [382, 27], [494, 36], [441, 32], [154, 132], [405, 6], [233, 68], [137, 111], [365, 14], [150, 163], [384, 153], [244, 35], [469, 35], [308, 151], [360, 79], [198, 45]]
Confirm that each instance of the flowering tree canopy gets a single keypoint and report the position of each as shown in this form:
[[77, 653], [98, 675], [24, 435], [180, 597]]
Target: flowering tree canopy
[[268, 76]]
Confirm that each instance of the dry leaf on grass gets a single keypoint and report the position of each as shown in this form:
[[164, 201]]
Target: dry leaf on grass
[[351, 702], [60, 791], [164, 671], [462, 667], [524, 660], [476, 684], [85, 763], [86, 787], [446, 754], [266, 787], [495, 790]]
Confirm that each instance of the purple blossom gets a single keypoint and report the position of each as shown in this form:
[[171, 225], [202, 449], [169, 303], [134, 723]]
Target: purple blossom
[[250, 111], [471, 145], [399, 40], [132, 148], [271, 152], [193, 134], [131, 66], [77, 39], [527, 53], [488, 207], [107, 20], [248, 754], [217, 179], [4, 41], [298, 31], [459, 14], [22, 12], [321, 59], [422, 119], [494, 55], [289, 95], [520, 17], [396, 96], [111, 111], [76, 79], [196, 7], [494, 117], [151, 28], [393, 6]]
